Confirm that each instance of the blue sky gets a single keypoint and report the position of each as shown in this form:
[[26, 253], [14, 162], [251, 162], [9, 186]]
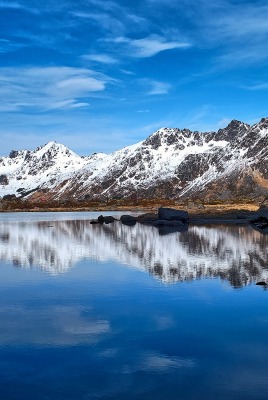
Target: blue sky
[[98, 75]]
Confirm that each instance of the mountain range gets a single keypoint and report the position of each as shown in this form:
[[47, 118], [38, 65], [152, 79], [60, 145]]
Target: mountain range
[[230, 164]]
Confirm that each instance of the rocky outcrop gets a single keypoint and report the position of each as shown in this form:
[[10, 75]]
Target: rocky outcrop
[[170, 214], [259, 219], [128, 220], [108, 219]]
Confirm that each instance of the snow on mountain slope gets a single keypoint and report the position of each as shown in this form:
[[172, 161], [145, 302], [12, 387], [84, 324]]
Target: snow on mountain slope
[[44, 167], [170, 163]]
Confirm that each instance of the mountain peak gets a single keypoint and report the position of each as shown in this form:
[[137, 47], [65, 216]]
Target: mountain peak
[[263, 123], [235, 124], [54, 148]]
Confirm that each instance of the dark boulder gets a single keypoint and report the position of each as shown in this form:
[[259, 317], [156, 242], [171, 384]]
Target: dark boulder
[[146, 218], [108, 219], [3, 180], [128, 220], [101, 219], [259, 219], [261, 283], [170, 214]]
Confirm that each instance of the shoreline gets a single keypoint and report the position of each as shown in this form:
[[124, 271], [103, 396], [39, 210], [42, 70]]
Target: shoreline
[[235, 214], [207, 209]]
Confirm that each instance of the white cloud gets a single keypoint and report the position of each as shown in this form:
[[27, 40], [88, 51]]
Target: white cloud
[[48, 88], [68, 104], [100, 58], [158, 88], [150, 46], [80, 85]]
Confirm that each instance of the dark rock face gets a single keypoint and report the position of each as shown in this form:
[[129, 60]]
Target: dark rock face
[[170, 214], [101, 219], [146, 218], [154, 141], [108, 219], [9, 197], [13, 154], [3, 180], [128, 220], [259, 219]]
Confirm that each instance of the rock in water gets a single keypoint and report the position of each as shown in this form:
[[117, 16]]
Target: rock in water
[[170, 214], [128, 220], [146, 218], [101, 219], [108, 219], [260, 219]]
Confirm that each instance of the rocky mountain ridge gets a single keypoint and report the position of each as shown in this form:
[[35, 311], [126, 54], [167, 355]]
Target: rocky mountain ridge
[[171, 163]]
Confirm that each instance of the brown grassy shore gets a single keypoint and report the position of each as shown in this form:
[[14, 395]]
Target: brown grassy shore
[[197, 210]]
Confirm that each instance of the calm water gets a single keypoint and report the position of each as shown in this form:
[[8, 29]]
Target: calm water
[[118, 312]]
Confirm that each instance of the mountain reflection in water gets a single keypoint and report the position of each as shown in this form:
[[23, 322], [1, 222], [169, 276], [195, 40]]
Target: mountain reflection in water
[[237, 254]]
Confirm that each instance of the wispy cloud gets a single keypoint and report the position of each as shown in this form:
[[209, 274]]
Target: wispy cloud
[[48, 88], [150, 45], [105, 20], [10, 4], [259, 86], [251, 54], [18, 6], [100, 58], [7, 45], [158, 87]]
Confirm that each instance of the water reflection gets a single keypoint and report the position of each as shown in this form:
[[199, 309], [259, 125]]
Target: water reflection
[[234, 253]]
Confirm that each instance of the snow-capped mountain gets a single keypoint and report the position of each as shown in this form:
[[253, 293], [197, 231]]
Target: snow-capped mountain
[[171, 163]]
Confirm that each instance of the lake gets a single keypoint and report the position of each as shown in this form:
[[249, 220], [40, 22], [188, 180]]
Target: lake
[[131, 312]]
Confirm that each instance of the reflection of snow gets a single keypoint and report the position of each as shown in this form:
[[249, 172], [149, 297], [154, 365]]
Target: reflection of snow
[[236, 253]]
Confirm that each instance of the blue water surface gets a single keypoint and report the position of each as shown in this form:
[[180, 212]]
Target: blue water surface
[[118, 312]]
